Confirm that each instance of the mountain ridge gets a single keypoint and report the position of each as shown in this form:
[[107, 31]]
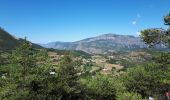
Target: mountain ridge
[[101, 44]]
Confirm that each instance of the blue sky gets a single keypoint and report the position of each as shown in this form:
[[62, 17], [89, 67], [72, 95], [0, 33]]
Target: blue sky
[[43, 21]]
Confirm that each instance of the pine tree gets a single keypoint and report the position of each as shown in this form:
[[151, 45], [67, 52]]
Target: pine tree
[[157, 35], [68, 77]]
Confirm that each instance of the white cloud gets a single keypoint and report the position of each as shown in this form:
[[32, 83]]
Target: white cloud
[[134, 22], [138, 16], [138, 33]]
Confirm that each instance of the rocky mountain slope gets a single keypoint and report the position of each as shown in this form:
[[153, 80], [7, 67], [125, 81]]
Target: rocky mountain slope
[[101, 44]]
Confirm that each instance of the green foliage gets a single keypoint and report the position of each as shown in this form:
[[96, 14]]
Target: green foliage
[[157, 36], [167, 19], [23, 77], [30, 76], [162, 58], [136, 80], [111, 61], [68, 77], [73, 53], [151, 80], [151, 36], [129, 96], [101, 88], [88, 67], [1, 58], [77, 53], [6, 40]]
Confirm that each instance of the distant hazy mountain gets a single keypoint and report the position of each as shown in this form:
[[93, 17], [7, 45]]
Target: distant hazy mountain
[[8, 42], [101, 44]]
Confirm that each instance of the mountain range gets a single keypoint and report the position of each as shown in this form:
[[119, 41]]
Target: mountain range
[[101, 44]]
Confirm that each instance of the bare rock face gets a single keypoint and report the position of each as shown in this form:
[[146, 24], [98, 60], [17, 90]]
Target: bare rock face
[[102, 44]]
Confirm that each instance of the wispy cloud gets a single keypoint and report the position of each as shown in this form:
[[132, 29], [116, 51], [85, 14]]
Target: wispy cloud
[[138, 16], [134, 22]]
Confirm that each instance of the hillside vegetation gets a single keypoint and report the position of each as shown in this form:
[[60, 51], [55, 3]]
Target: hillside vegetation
[[7, 41]]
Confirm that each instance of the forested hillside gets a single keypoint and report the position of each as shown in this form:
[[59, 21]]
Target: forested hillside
[[7, 41]]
